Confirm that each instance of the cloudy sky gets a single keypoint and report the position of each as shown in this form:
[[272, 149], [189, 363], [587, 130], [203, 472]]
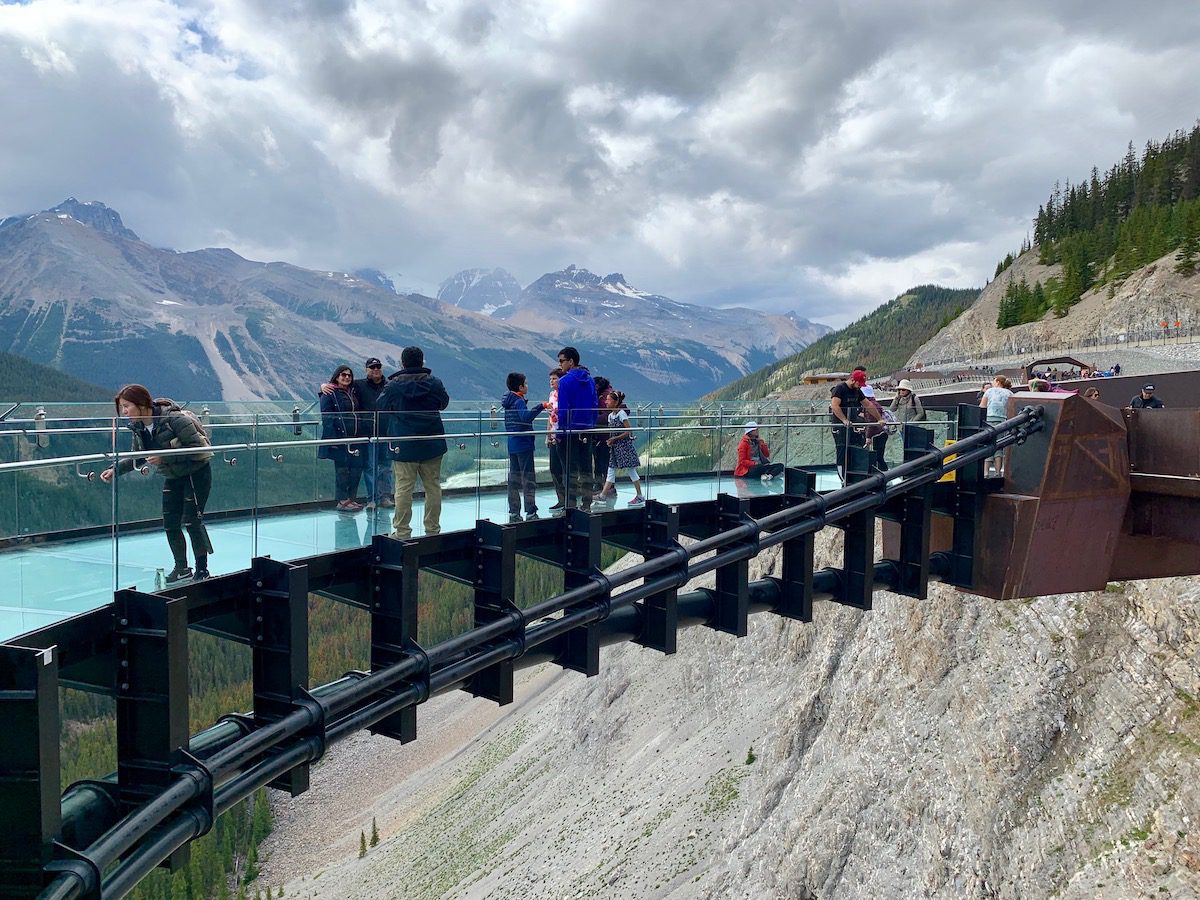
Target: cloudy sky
[[819, 156]]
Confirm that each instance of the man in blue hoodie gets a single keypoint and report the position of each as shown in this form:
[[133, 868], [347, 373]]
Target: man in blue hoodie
[[518, 422], [576, 415]]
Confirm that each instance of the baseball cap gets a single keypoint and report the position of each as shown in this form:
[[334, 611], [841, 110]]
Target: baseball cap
[[749, 427], [1148, 388], [374, 363]]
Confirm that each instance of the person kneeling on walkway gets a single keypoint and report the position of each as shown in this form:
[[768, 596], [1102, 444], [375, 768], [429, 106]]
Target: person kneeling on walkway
[[754, 456]]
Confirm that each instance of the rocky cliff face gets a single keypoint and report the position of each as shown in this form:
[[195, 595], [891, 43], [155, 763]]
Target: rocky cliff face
[[953, 747], [1148, 296]]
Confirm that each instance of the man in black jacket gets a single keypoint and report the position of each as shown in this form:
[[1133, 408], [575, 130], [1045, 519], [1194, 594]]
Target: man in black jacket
[[1146, 399], [410, 410]]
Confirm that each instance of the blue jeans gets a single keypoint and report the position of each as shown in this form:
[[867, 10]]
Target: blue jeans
[[378, 473], [522, 483]]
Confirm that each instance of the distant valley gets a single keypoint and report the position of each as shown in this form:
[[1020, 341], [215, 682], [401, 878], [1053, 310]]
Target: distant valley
[[81, 292]]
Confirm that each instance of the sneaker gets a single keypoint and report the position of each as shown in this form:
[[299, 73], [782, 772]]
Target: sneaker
[[370, 504], [532, 517], [513, 518], [178, 574], [558, 513], [387, 503], [767, 477], [639, 500], [557, 506], [201, 574]]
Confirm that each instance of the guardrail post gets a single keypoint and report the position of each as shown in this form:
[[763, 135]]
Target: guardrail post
[[152, 696], [796, 570], [584, 540], [661, 610], [279, 642], [915, 519], [495, 590], [968, 503], [30, 811], [732, 591], [393, 593], [858, 539]]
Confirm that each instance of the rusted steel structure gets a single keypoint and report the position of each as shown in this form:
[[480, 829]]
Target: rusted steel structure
[[1097, 495]]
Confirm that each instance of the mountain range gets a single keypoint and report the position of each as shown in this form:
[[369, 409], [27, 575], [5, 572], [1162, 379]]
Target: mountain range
[[83, 293]]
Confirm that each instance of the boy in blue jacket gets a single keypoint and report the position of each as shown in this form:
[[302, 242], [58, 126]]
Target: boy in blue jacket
[[518, 422]]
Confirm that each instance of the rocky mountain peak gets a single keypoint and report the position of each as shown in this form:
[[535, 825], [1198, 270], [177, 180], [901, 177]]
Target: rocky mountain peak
[[375, 277], [481, 290], [94, 214]]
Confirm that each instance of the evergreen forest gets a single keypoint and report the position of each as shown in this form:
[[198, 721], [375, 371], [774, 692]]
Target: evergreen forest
[[225, 863], [24, 380], [1107, 226], [883, 341]]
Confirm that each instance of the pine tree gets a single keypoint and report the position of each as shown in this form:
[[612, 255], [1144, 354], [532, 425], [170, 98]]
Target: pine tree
[[262, 822], [362, 845], [1189, 247], [179, 887], [251, 865], [374, 832]]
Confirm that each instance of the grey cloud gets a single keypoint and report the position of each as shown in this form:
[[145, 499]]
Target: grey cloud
[[475, 22], [887, 131]]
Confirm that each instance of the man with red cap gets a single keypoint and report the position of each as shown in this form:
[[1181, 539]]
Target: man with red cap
[[845, 400]]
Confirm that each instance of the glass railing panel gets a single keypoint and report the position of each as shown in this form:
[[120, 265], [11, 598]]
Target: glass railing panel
[[294, 512], [491, 483], [51, 575], [466, 435]]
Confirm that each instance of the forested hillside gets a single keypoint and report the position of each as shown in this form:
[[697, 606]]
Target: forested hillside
[[25, 380], [1106, 227], [882, 340]]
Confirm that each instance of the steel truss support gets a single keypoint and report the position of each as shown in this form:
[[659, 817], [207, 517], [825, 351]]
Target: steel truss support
[[30, 814]]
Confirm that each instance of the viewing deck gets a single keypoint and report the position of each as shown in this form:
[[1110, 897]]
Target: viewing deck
[[53, 579]]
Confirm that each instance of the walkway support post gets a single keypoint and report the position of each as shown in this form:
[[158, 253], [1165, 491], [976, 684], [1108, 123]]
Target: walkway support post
[[30, 812]]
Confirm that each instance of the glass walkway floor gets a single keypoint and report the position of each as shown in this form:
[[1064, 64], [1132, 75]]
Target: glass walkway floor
[[53, 580]]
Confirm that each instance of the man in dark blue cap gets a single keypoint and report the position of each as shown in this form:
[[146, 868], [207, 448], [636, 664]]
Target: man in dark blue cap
[[1146, 399]]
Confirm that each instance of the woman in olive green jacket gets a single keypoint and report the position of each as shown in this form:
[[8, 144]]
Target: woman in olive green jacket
[[162, 425]]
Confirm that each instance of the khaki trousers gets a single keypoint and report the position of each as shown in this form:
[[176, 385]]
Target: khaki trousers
[[406, 475]]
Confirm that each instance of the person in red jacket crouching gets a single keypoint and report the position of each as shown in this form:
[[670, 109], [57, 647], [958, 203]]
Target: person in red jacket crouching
[[754, 456]]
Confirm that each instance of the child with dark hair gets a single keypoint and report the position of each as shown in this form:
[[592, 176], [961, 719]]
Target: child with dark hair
[[556, 463], [623, 454], [600, 448], [518, 423]]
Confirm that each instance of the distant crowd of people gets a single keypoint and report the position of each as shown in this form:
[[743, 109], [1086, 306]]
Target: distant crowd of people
[[589, 437]]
